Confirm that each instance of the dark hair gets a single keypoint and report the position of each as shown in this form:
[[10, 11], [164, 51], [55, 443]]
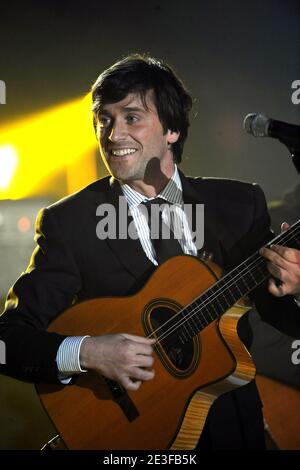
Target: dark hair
[[137, 74]]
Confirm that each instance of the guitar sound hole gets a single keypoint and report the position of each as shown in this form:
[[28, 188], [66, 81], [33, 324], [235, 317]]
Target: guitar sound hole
[[179, 354]]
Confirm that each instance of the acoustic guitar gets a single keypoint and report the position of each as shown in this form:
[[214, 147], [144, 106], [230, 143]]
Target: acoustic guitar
[[193, 315]]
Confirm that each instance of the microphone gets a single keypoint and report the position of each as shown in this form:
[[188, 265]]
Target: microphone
[[260, 125]]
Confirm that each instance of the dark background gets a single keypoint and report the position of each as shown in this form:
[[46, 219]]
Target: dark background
[[235, 57]]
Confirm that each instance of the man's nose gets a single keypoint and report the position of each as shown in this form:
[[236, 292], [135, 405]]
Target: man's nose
[[118, 131]]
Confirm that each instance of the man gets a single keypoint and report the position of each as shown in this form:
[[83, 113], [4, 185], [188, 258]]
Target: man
[[141, 119]]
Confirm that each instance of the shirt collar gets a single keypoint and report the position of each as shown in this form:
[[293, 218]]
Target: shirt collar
[[172, 192]]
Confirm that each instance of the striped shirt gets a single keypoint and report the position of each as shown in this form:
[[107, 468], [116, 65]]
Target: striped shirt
[[172, 193], [68, 353]]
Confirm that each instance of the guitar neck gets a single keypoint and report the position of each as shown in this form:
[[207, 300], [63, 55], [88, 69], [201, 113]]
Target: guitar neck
[[232, 287]]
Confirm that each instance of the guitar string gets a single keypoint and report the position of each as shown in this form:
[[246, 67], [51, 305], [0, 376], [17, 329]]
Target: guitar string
[[256, 263], [168, 334], [197, 309]]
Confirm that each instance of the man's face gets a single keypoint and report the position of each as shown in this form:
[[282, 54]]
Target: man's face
[[130, 136]]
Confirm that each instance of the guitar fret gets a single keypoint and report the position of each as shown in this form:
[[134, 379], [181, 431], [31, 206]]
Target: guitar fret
[[230, 293], [212, 318], [194, 320], [186, 338], [204, 320], [236, 292], [204, 299], [230, 299]]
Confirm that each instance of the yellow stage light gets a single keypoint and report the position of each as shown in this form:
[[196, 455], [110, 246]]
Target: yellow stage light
[[8, 163], [58, 140]]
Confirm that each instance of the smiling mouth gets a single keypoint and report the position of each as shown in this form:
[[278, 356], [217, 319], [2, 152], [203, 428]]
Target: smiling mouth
[[122, 152]]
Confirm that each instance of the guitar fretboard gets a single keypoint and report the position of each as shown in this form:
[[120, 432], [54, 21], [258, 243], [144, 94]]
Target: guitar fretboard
[[229, 289]]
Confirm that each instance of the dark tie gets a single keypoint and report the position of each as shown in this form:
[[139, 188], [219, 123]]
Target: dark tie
[[164, 241]]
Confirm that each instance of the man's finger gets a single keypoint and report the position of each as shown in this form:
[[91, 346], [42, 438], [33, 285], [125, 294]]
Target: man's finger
[[274, 256], [130, 384], [276, 288], [275, 271], [280, 255], [142, 374], [289, 254], [284, 226], [139, 339]]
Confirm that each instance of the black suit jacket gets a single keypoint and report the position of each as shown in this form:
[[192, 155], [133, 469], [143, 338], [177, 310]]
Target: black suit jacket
[[71, 264]]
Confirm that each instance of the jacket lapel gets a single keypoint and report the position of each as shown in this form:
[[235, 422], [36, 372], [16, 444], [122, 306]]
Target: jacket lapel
[[213, 230], [129, 251]]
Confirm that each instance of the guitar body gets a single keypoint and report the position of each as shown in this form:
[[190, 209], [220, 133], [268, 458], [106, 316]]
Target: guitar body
[[170, 410], [281, 404]]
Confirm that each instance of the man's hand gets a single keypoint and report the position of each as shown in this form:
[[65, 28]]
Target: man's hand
[[121, 357], [284, 265]]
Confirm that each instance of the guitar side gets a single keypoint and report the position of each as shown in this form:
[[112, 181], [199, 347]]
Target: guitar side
[[197, 410]]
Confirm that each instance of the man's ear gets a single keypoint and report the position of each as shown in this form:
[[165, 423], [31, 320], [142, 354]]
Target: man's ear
[[172, 136], [97, 129]]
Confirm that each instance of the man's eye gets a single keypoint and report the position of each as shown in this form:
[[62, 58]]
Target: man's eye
[[131, 119]]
